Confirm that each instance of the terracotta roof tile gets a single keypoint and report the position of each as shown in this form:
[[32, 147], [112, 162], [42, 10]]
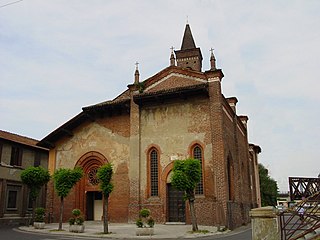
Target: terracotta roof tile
[[173, 90], [19, 139], [122, 98]]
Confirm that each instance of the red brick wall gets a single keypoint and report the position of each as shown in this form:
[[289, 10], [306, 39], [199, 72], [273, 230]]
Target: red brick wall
[[221, 133], [118, 201], [236, 145], [119, 124]]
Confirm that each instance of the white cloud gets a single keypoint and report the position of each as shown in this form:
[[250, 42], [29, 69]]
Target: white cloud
[[58, 56]]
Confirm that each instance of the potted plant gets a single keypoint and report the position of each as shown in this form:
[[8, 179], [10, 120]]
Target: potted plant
[[39, 218], [76, 222], [145, 223]]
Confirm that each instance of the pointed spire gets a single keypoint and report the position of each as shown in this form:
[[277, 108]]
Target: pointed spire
[[189, 56], [136, 74], [172, 58], [212, 60], [187, 41]]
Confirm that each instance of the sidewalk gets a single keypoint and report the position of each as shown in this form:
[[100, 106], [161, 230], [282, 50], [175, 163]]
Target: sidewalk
[[126, 231]]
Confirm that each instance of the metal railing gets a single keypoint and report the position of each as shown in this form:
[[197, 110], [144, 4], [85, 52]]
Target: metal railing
[[301, 219], [302, 187]]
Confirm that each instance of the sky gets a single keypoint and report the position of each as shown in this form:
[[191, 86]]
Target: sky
[[59, 56]]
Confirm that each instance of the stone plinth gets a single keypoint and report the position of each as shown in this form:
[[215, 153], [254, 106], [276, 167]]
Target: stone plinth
[[38, 225], [145, 231], [264, 224], [76, 228]]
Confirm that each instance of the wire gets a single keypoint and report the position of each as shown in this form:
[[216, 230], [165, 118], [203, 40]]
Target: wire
[[10, 3]]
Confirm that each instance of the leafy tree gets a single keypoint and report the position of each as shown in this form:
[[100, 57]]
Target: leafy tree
[[268, 188], [64, 180], [186, 176], [35, 178], [104, 174]]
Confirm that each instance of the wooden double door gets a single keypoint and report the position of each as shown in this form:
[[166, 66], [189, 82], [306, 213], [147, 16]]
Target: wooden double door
[[176, 205]]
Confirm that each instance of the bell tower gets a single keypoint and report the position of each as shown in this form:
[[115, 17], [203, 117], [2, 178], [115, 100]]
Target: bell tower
[[189, 56]]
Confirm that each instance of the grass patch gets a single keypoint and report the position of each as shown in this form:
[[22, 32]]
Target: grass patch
[[102, 233], [200, 231], [56, 230]]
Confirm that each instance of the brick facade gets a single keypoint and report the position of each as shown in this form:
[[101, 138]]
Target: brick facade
[[171, 112]]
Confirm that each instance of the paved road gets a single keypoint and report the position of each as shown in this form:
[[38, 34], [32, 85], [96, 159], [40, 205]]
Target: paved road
[[7, 233], [241, 234]]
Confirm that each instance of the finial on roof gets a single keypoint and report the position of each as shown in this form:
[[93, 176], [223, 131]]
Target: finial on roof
[[136, 74], [172, 58], [187, 19], [212, 60]]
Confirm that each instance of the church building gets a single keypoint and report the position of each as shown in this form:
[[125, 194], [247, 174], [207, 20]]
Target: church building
[[179, 112]]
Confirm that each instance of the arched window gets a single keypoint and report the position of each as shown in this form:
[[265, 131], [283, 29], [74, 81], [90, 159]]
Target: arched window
[[154, 179], [197, 154]]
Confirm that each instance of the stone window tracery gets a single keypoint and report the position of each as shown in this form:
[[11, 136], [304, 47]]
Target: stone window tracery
[[154, 173], [92, 176]]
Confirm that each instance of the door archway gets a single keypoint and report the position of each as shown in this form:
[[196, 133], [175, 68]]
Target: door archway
[[87, 192], [175, 204]]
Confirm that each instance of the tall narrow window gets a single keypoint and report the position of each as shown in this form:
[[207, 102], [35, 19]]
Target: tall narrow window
[[197, 154], [154, 173], [16, 156], [12, 199], [37, 159]]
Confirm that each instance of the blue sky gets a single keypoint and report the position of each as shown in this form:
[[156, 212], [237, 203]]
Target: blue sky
[[58, 56]]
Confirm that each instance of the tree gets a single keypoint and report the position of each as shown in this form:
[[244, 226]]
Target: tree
[[104, 174], [64, 180], [186, 176], [35, 178], [268, 188]]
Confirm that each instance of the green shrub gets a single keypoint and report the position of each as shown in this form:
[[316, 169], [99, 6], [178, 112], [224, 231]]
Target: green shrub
[[144, 213], [76, 212], [72, 220], [76, 218], [150, 222], [145, 219], [39, 214], [79, 221], [139, 223]]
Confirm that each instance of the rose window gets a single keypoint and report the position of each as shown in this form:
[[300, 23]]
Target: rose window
[[92, 176]]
